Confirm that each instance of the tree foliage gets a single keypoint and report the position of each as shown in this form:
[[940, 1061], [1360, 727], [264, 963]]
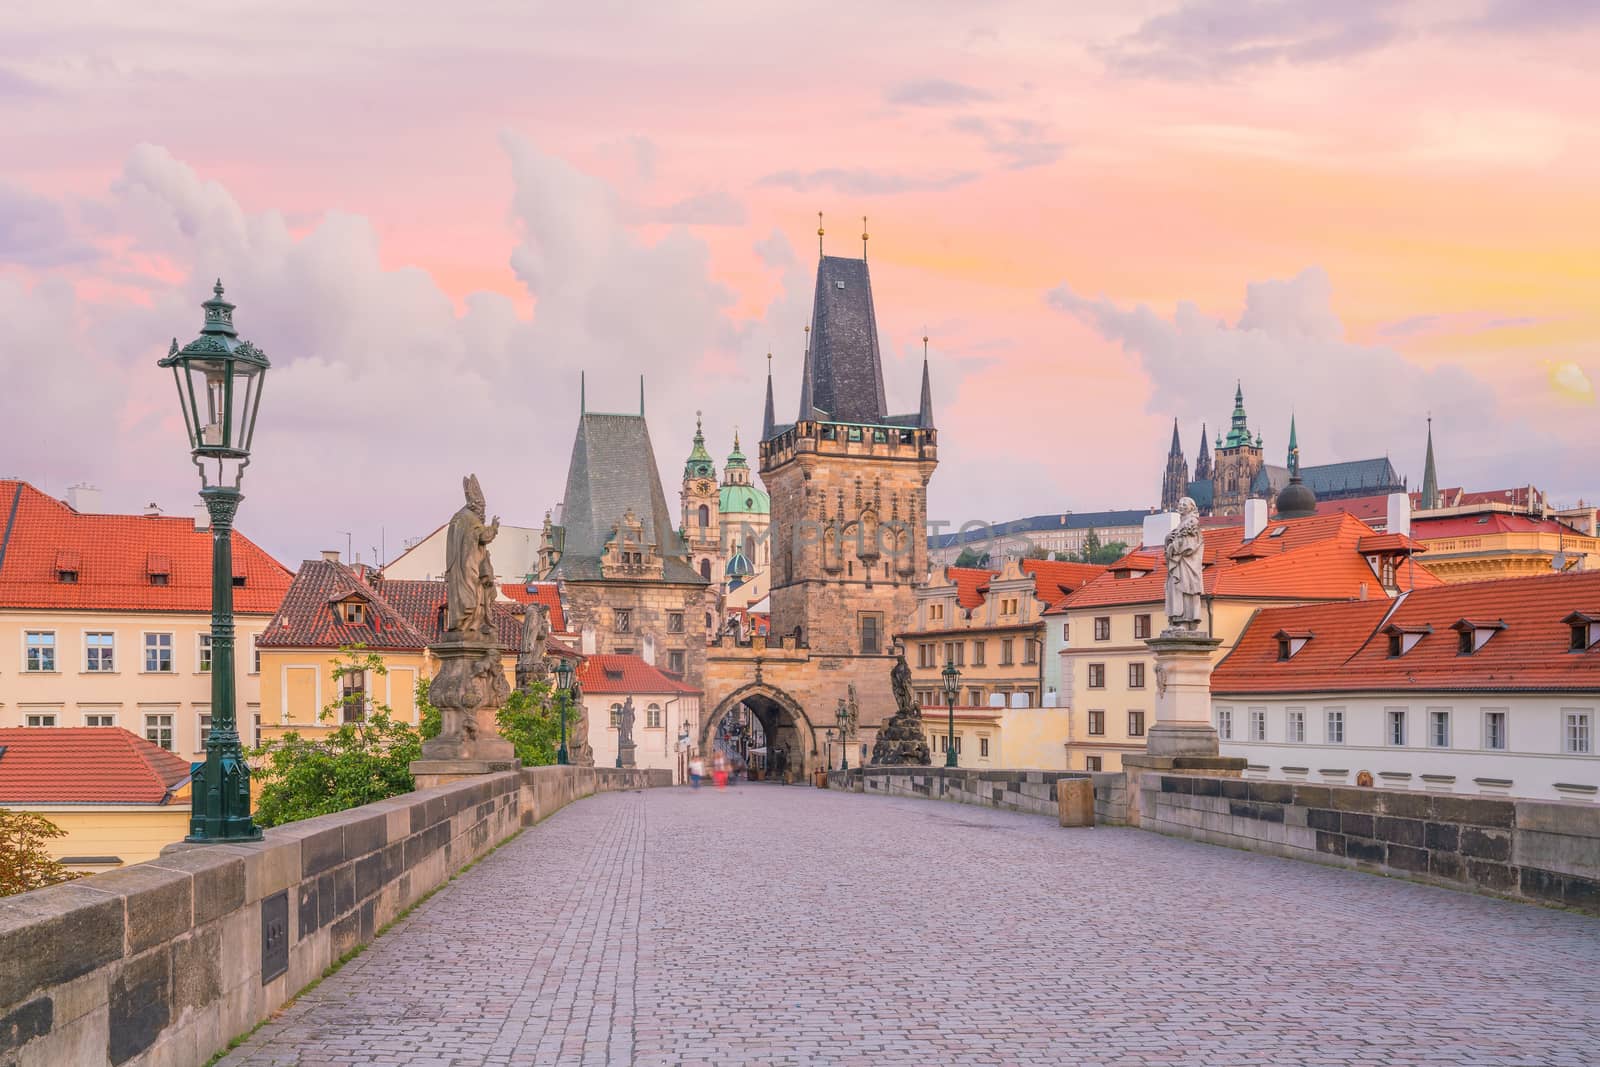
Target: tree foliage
[[1094, 551], [357, 762], [530, 720], [969, 558], [24, 861]]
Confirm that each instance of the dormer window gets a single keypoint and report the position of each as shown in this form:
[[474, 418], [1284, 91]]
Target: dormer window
[[158, 567], [1277, 531], [1471, 636], [238, 581], [353, 612], [1291, 642], [67, 577], [159, 579], [1585, 630], [1403, 639]]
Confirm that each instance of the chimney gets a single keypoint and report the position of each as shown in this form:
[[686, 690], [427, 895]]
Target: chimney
[[1156, 528], [1399, 514], [331, 555], [84, 499], [202, 518], [1255, 518], [650, 649], [152, 510]]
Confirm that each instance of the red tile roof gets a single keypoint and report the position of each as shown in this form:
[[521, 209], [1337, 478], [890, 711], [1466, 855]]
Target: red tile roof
[[85, 765], [1388, 543], [970, 583], [609, 673], [1053, 580], [1366, 508], [114, 557], [1349, 651], [400, 614], [1487, 522], [546, 593], [1315, 558]]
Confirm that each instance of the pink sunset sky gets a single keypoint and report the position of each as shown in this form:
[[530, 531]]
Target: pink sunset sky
[[432, 217]]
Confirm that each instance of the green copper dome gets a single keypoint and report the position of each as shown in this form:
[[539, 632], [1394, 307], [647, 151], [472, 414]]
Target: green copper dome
[[699, 464], [744, 500]]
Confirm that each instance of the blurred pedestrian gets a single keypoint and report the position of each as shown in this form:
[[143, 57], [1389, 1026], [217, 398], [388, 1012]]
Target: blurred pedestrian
[[719, 770], [697, 771]]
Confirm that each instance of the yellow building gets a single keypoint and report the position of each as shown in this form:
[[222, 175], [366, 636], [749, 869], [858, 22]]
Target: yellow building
[[105, 620], [1108, 681], [119, 798], [998, 736], [1477, 542]]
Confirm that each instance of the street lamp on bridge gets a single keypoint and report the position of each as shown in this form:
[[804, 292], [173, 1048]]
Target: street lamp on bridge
[[563, 698], [952, 685], [219, 379]]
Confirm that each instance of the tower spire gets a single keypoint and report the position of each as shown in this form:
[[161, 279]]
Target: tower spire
[[1175, 479], [808, 409], [767, 420], [1430, 475], [1176, 449], [925, 414], [819, 234], [1202, 461], [1294, 449], [864, 242], [641, 396], [583, 394]]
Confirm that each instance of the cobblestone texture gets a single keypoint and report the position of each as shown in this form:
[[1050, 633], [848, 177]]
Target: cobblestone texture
[[795, 926]]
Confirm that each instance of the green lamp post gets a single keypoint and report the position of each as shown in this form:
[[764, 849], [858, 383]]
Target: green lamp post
[[219, 379], [844, 738], [952, 684], [563, 698]]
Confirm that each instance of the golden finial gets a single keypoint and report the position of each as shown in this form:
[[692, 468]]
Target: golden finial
[[863, 237], [819, 233]]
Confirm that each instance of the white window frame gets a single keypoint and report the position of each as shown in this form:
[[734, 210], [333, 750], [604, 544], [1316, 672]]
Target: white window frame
[[88, 647], [54, 715], [1294, 726], [202, 726], [652, 717], [1258, 724], [255, 655], [1389, 714], [1329, 722], [1577, 731], [99, 713], [1433, 728], [205, 649], [54, 647], [1505, 729], [172, 651], [171, 726], [1225, 723]]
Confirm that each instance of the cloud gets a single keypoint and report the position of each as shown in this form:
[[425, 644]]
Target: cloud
[[1534, 16], [935, 92], [1570, 382], [714, 208], [860, 181], [1020, 143], [16, 86], [1350, 401], [1203, 40], [34, 232]]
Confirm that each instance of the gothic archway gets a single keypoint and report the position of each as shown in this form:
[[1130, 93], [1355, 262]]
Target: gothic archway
[[783, 720]]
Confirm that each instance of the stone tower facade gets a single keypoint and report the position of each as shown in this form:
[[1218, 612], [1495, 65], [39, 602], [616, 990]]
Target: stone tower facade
[[848, 484], [1175, 480], [701, 501], [1238, 461]]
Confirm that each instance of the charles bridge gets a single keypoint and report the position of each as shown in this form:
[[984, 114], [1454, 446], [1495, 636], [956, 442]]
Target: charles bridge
[[608, 919]]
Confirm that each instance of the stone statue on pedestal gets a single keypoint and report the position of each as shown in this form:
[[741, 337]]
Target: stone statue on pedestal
[[625, 745], [901, 740], [578, 747], [1185, 553], [849, 715], [470, 686], [532, 665]]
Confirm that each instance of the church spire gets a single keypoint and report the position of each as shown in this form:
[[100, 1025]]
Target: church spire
[[1175, 479], [925, 416], [808, 411], [1202, 462], [1294, 450], [1430, 476], [1176, 449], [768, 421], [1239, 425]]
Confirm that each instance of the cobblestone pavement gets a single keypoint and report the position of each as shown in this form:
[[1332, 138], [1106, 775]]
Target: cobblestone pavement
[[797, 926]]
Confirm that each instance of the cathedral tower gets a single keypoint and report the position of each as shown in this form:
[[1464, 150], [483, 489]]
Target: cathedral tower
[[1238, 461], [848, 483], [1175, 482]]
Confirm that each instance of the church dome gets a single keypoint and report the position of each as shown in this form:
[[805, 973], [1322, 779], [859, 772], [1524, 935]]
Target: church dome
[[1296, 500], [739, 566], [744, 500]]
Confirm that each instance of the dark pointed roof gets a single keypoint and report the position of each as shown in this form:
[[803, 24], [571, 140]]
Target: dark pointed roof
[[1202, 462], [768, 421], [844, 370], [1430, 476], [925, 415], [614, 469], [1176, 449]]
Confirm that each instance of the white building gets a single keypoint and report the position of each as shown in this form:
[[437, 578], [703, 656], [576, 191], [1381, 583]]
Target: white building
[[515, 552], [1481, 687], [662, 707]]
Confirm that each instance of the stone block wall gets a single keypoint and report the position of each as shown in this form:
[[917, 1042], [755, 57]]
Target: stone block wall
[[1033, 792], [162, 962], [1545, 851]]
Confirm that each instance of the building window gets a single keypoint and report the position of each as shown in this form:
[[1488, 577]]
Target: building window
[[1225, 723], [1007, 656], [1136, 676], [1030, 655], [675, 661], [1335, 726], [1102, 628], [1008, 605], [255, 655], [704, 515], [1577, 740], [1091, 763], [158, 653], [705, 569], [204, 732], [1396, 726], [355, 612], [871, 633], [652, 717], [1097, 724], [1395, 647], [1097, 676], [1295, 726], [935, 612], [674, 622], [616, 716], [1135, 724], [924, 656], [1258, 724], [40, 718], [1580, 637], [978, 646], [100, 718], [158, 579], [205, 653], [158, 729], [622, 621], [955, 652], [1141, 626], [975, 698], [1494, 730], [41, 645], [99, 652], [1066, 632], [353, 696], [1284, 652], [1439, 729]]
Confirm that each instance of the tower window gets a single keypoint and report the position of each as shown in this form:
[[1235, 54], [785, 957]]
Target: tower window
[[705, 516]]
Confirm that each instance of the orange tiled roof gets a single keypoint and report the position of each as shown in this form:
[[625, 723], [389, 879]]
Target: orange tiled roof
[[546, 593], [114, 557], [85, 765], [1487, 522], [1055, 579], [971, 583], [1349, 651], [610, 673]]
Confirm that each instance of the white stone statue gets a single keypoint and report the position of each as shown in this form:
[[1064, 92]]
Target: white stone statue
[[1185, 552]]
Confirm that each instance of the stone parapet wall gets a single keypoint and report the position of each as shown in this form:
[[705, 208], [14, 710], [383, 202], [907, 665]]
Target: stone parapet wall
[[162, 962], [1033, 792], [1544, 851]]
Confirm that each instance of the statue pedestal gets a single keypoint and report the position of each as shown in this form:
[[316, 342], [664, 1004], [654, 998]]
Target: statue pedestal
[[1182, 739], [468, 690], [625, 754]]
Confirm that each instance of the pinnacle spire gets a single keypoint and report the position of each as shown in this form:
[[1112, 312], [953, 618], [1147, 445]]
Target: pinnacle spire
[[1430, 475], [1294, 450], [1202, 462], [768, 421], [1176, 449], [808, 410], [925, 415]]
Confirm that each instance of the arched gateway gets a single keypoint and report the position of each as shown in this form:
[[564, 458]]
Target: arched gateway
[[783, 720]]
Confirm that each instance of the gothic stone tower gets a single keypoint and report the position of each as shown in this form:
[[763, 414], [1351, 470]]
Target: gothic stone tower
[[848, 483], [1175, 480], [1238, 461], [701, 519]]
